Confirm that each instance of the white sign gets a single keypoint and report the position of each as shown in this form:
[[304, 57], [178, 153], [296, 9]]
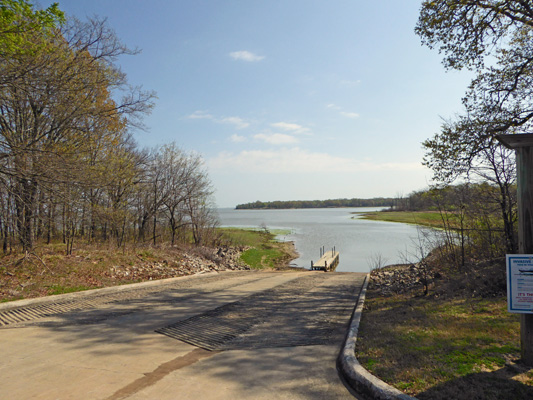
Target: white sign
[[519, 283]]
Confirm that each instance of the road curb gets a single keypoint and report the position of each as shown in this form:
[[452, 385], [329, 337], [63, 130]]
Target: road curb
[[100, 291], [352, 371]]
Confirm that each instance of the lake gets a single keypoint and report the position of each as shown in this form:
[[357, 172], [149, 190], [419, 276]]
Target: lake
[[358, 241]]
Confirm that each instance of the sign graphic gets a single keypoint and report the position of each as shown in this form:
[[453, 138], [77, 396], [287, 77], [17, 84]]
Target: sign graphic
[[519, 283]]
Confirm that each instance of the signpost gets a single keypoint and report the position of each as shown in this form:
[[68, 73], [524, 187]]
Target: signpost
[[523, 146], [519, 283]]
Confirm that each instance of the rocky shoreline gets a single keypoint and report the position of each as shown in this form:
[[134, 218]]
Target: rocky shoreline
[[93, 266], [395, 279], [42, 276], [202, 260], [483, 279]]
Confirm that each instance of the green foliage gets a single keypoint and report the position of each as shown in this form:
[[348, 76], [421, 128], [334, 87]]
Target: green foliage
[[429, 344], [65, 108], [432, 218], [375, 202], [19, 22], [499, 99], [60, 289], [244, 237], [479, 217], [147, 253], [466, 32], [261, 258], [265, 251]]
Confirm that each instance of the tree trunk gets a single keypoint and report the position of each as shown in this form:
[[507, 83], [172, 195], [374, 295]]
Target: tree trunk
[[25, 203]]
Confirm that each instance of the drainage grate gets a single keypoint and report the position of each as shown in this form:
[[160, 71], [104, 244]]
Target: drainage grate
[[212, 329], [306, 311], [43, 310], [30, 313]]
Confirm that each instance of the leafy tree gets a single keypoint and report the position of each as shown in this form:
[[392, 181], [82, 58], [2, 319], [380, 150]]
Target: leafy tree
[[493, 38], [458, 152], [468, 31], [19, 21], [68, 166], [58, 106]]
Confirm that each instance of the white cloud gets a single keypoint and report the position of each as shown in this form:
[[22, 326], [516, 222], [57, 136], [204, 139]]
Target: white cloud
[[351, 83], [296, 160], [238, 122], [244, 55], [237, 139], [276, 138], [346, 114], [288, 127], [200, 115], [349, 114]]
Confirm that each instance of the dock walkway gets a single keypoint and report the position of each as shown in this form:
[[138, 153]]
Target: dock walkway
[[328, 261]]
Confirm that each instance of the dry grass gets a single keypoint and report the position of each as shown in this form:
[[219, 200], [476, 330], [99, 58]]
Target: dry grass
[[50, 271], [444, 347]]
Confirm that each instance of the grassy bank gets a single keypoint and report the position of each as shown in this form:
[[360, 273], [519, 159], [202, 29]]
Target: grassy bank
[[443, 347], [426, 218], [265, 251], [49, 271]]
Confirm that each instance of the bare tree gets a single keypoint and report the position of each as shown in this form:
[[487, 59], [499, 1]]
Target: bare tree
[[377, 261], [422, 245], [57, 106]]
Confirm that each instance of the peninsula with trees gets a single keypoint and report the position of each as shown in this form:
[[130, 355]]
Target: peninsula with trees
[[279, 205]]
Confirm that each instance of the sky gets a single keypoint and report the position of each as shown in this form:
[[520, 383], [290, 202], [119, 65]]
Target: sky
[[287, 99]]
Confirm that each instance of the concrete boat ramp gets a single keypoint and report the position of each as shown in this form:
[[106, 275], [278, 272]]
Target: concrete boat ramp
[[232, 335]]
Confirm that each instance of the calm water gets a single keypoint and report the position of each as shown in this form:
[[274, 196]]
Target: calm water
[[358, 241]]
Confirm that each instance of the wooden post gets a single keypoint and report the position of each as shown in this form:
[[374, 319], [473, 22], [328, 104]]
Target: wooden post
[[523, 146]]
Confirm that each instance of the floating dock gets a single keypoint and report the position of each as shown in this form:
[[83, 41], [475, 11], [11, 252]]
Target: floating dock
[[328, 261]]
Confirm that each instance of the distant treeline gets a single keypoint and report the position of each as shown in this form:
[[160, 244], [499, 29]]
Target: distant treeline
[[376, 202]]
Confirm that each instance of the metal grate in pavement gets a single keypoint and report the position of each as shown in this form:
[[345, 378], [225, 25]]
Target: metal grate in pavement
[[29, 313], [43, 310], [307, 311]]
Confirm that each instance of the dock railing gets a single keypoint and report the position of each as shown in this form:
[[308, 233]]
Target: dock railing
[[328, 261]]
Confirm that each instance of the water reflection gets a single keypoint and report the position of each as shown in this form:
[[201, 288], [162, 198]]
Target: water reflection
[[358, 241]]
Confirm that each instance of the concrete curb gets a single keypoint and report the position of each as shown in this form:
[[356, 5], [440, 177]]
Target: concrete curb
[[356, 376], [106, 290]]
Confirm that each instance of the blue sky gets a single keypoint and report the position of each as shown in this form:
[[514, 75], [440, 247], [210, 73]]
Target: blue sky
[[287, 100]]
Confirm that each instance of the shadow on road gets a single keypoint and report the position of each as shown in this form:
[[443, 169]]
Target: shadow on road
[[120, 338]]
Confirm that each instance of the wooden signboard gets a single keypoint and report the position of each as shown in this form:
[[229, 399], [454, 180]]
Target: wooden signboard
[[523, 147], [520, 283]]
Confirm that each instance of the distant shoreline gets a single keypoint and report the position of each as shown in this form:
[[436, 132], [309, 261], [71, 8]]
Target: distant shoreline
[[303, 204], [304, 208]]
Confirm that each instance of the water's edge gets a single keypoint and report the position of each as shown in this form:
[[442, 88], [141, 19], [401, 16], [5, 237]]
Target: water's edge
[[361, 243]]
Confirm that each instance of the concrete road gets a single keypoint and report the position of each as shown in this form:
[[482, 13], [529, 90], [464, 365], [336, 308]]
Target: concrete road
[[235, 335]]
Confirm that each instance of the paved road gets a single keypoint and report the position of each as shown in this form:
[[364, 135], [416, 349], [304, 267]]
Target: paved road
[[235, 335]]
